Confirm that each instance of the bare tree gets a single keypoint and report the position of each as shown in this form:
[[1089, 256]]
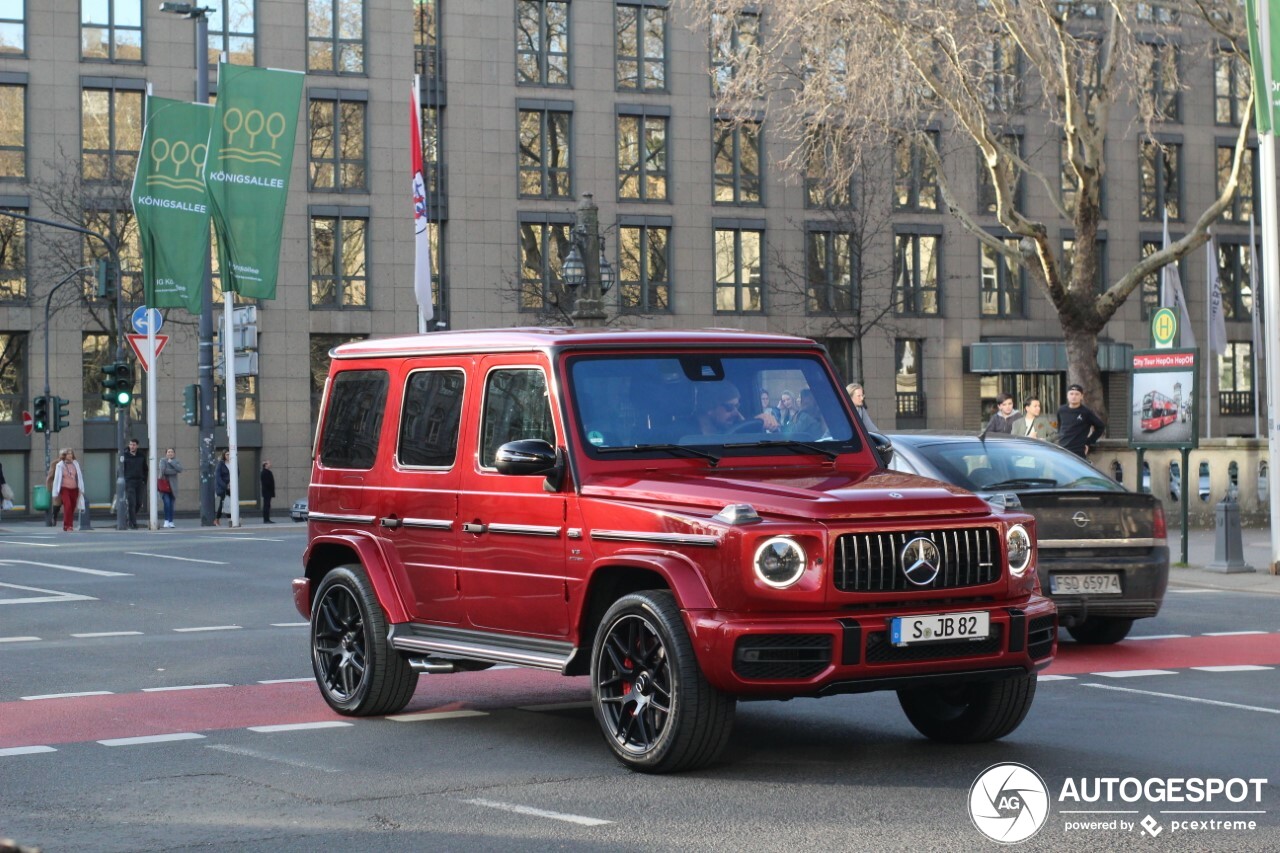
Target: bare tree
[[883, 74]]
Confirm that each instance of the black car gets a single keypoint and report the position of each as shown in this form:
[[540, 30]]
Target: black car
[[1103, 555]]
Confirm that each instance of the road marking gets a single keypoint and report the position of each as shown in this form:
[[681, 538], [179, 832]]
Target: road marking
[[102, 573], [573, 706], [1244, 667], [528, 810], [1186, 698], [298, 727], [427, 716], [1134, 673], [288, 680], [1162, 637], [96, 634], [171, 557], [1234, 633], [19, 639], [1055, 678], [28, 544], [238, 538], [207, 628], [253, 753], [26, 750], [290, 624], [50, 595], [182, 687], [1196, 591], [66, 695], [138, 741]]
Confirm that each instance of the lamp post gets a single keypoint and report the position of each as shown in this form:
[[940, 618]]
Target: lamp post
[[200, 14], [587, 272], [48, 454]]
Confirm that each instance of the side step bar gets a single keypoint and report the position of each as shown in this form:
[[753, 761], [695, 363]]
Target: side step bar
[[435, 642]]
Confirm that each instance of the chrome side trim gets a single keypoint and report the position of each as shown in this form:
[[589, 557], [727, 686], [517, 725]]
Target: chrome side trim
[[523, 529], [312, 515], [1096, 543], [697, 539], [428, 523]]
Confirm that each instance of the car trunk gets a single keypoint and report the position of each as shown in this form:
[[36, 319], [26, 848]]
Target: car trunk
[[1074, 518]]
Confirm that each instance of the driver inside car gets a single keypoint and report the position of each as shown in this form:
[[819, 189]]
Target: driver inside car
[[717, 409]]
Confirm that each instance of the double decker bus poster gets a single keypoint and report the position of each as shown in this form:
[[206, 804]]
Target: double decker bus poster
[[1164, 404]]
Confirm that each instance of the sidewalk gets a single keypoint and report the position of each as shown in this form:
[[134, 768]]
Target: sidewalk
[[1200, 553]]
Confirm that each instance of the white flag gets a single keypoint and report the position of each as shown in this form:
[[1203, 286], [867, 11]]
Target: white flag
[[1171, 295], [1257, 346], [1217, 319], [421, 241]]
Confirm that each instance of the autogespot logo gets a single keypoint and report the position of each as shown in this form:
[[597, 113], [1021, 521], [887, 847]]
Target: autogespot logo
[[1008, 803]]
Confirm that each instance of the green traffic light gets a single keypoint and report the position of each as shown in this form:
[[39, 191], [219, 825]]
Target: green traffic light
[[123, 398]]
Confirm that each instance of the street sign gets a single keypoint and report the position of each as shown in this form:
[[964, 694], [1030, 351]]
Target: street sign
[[145, 357], [27, 423], [1164, 328], [143, 317]]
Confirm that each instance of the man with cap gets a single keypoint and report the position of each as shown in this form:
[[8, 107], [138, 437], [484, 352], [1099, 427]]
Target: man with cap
[[1079, 427]]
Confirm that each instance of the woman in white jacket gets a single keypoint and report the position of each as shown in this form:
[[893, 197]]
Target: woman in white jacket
[[68, 479]]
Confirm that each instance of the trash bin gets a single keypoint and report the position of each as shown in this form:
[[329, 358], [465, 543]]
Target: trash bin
[[40, 498]]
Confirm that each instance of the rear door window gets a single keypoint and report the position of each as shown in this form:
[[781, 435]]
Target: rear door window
[[353, 420], [431, 419]]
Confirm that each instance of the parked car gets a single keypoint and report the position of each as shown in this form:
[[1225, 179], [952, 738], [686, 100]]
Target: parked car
[[298, 512], [1103, 554], [618, 504]]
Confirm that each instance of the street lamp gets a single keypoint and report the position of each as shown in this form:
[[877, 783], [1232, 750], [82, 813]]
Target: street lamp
[[586, 270]]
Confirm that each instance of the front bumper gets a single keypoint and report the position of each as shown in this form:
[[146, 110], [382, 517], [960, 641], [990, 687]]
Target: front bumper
[[761, 656], [1144, 577]]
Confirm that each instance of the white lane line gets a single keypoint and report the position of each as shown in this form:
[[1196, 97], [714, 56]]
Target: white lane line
[[138, 741], [427, 716], [19, 639], [183, 687], [97, 634], [1234, 633], [299, 727], [171, 557], [238, 538], [290, 624], [1055, 678], [1196, 591], [50, 595], [1243, 667], [1134, 673], [529, 810], [207, 628], [1162, 637], [288, 680], [1187, 698], [26, 750], [102, 573], [253, 753], [29, 544], [66, 695], [573, 706]]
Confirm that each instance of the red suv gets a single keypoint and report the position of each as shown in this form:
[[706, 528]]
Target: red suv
[[630, 505]]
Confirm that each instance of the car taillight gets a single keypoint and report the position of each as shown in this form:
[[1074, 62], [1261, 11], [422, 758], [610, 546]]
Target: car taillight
[[1159, 529]]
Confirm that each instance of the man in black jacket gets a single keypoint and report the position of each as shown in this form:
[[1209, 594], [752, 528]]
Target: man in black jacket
[[268, 481], [135, 481], [1079, 427]]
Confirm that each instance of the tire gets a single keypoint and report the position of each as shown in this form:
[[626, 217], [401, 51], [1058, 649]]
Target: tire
[[1100, 631], [969, 713], [657, 711], [358, 672]]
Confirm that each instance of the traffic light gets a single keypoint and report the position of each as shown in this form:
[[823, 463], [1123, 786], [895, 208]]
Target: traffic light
[[40, 414], [117, 384], [191, 405], [61, 418], [107, 276]]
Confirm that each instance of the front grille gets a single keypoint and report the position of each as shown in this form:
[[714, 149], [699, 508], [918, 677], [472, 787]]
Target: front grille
[[872, 562], [766, 656], [880, 650], [1040, 635]]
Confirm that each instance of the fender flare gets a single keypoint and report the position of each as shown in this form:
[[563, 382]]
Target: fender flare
[[381, 564], [683, 575]]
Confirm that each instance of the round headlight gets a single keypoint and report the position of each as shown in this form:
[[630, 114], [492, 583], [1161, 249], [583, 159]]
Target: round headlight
[[1019, 542], [780, 562]]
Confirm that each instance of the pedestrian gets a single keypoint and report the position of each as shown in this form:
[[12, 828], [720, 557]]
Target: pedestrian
[[1079, 427], [1004, 416], [167, 484], [222, 483], [858, 396], [268, 490], [1032, 423], [6, 493], [135, 482], [54, 506], [70, 482]]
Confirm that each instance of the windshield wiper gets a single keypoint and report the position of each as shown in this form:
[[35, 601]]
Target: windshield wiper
[[796, 446], [1028, 482], [673, 449]]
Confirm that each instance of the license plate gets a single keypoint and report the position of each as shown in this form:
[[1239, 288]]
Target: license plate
[[939, 628], [1084, 584]]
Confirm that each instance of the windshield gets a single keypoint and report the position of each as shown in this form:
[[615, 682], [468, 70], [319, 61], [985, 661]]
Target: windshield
[[999, 464], [654, 405]]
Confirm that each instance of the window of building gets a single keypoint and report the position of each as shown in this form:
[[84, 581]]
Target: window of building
[[732, 42], [13, 257], [353, 419], [13, 375], [1230, 86], [96, 352], [642, 155], [111, 30], [908, 376], [1235, 278], [544, 243], [1235, 379], [426, 38], [1160, 183], [432, 149], [739, 257], [1150, 287], [1158, 79], [118, 224], [640, 46], [246, 398], [13, 28], [339, 260], [915, 184], [545, 165], [110, 130], [1001, 72], [431, 419], [644, 267], [13, 130], [987, 200], [738, 165], [822, 189], [1244, 202], [1069, 257], [335, 36], [321, 346], [232, 31], [1157, 13], [1003, 288], [516, 406], [825, 61], [831, 269], [338, 155], [542, 42], [915, 273]]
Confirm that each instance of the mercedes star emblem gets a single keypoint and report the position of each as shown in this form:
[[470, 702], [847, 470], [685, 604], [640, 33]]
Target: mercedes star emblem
[[921, 561]]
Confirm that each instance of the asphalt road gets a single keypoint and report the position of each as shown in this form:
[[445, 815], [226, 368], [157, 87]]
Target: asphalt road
[[155, 694]]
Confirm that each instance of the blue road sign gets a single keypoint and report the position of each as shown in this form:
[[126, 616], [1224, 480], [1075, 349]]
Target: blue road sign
[[143, 317]]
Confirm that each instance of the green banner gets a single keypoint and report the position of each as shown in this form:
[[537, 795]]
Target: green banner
[[1264, 108], [250, 156], [170, 202]]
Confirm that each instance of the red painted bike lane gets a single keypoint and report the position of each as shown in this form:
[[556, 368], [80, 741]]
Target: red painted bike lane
[[1172, 653]]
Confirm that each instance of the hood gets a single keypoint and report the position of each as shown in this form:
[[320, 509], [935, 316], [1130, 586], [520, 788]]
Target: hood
[[820, 494]]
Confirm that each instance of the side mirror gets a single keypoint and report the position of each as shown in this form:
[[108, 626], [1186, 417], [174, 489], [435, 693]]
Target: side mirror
[[526, 457], [882, 446]]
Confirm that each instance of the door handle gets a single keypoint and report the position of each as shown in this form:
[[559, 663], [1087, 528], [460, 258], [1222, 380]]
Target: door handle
[[391, 522], [472, 527]]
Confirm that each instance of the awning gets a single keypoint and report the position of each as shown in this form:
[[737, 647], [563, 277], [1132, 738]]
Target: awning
[[1039, 357]]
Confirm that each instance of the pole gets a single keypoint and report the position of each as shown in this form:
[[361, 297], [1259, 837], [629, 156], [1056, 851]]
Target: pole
[[48, 333], [1270, 277], [208, 465], [229, 377], [1184, 496]]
